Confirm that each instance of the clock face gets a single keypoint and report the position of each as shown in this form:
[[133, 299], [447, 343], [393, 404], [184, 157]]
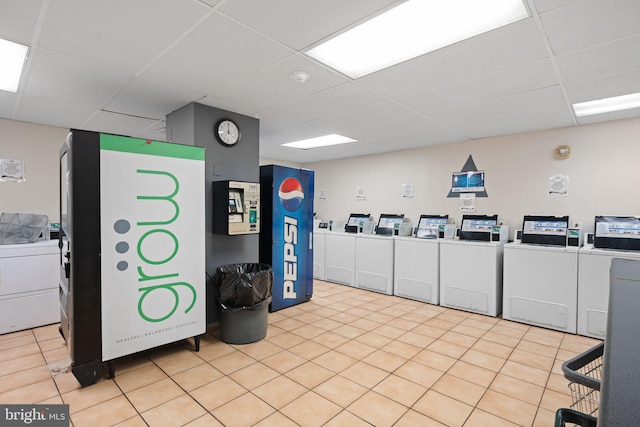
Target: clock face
[[227, 132]]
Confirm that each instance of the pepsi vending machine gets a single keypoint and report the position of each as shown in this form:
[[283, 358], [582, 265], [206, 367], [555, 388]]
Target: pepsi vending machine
[[287, 245]]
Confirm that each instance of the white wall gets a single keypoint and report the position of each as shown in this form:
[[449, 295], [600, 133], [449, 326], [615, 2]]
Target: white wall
[[37, 146], [602, 173], [266, 161]]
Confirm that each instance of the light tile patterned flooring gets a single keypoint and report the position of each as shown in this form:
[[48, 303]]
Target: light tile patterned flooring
[[346, 358]]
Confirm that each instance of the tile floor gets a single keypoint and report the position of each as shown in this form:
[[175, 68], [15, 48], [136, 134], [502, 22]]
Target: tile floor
[[346, 358]]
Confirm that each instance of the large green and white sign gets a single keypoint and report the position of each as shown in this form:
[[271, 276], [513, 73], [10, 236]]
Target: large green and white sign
[[152, 242]]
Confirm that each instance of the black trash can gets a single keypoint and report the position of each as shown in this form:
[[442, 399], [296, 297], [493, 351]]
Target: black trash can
[[244, 293]]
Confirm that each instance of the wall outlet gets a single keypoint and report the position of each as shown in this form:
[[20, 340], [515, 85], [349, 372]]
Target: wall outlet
[[577, 224]]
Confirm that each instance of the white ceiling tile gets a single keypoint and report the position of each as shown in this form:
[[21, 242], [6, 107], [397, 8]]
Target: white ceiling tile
[[151, 99], [72, 81], [516, 122], [54, 113], [8, 102], [273, 86], [364, 117], [546, 5], [510, 46], [333, 101], [18, 20], [300, 23], [120, 34], [522, 102], [609, 58], [588, 23], [155, 132], [525, 78], [216, 54], [604, 87], [120, 124]]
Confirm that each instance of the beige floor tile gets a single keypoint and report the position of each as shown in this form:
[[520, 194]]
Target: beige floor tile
[[459, 389], [402, 323], [259, 350], [48, 332], [446, 410], [380, 318], [400, 389], [286, 340], [86, 397], [517, 388], [532, 359], [544, 336], [135, 421], [308, 317], [377, 409], [155, 394], [106, 414], [284, 361], [577, 346], [21, 364], [469, 330], [509, 331], [544, 418], [308, 331], [483, 360], [472, 373], [178, 361], [311, 410], [330, 339], [348, 331], [365, 324], [310, 374], [135, 379], [413, 419], [552, 400], [479, 418], [31, 393], [365, 374], [346, 419], [402, 349], [57, 354], [309, 350], [18, 352], [419, 373], [197, 376], [355, 349], [493, 348], [254, 375], [507, 407], [501, 339], [23, 378], [447, 348], [477, 323], [434, 360], [384, 360], [389, 331], [288, 324], [459, 338], [176, 412], [275, 420], [4, 338], [232, 362], [374, 340], [214, 350], [66, 382], [204, 421], [334, 361], [280, 391], [131, 362], [418, 340], [558, 383], [537, 348], [526, 373], [340, 390], [217, 393], [246, 410]]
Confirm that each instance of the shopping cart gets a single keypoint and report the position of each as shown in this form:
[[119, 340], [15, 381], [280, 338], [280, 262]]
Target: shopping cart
[[584, 373]]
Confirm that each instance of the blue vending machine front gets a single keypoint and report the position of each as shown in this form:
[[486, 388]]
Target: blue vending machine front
[[287, 244]]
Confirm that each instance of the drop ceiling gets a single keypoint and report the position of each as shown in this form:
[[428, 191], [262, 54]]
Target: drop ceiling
[[121, 66]]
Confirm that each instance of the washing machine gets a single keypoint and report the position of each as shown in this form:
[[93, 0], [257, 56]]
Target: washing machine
[[340, 257], [471, 275], [29, 285], [541, 285], [319, 238], [416, 272], [594, 266], [374, 263]]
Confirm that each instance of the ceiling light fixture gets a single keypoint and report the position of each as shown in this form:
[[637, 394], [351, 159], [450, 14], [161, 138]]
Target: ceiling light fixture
[[321, 141], [12, 56], [413, 29], [300, 76], [607, 105]]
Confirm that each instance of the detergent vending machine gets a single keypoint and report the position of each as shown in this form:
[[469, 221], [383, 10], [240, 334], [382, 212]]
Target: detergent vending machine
[[286, 237]]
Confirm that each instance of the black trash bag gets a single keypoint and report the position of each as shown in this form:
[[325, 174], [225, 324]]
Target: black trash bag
[[243, 285]]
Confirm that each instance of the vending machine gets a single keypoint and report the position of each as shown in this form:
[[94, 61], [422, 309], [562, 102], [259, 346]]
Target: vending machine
[[286, 237], [132, 249]]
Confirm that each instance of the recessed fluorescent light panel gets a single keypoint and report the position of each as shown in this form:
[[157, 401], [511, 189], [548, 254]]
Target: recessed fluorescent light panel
[[413, 29], [607, 105], [321, 141], [12, 57]]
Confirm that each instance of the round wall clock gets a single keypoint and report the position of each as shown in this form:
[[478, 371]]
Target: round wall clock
[[227, 132]]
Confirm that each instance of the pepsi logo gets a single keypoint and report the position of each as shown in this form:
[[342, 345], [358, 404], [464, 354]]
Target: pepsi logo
[[291, 194]]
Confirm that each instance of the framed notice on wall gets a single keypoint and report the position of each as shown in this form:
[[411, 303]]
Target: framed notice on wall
[[11, 170]]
